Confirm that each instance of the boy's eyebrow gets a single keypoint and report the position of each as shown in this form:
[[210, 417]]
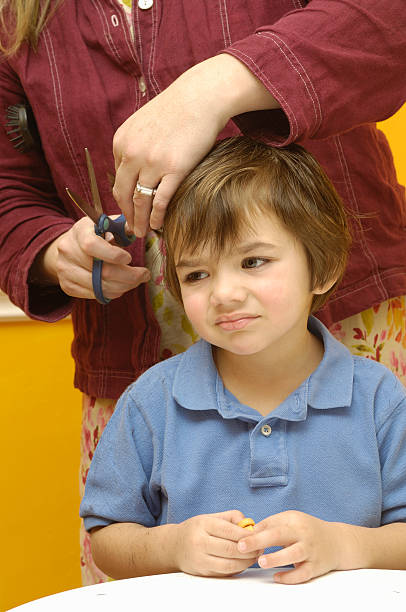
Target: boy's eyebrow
[[243, 248], [188, 263]]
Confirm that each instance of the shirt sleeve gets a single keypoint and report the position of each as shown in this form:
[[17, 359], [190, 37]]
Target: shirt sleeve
[[332, 65], [31, 214], [118, 484], [391, 436]]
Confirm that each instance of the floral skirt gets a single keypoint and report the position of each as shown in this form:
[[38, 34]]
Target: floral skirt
[[378, 333]]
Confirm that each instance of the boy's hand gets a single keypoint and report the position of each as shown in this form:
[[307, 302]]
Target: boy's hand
[[207, 545], [310, 544]]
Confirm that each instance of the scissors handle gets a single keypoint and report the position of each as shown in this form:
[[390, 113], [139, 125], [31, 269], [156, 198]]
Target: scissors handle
[[117, 228], [97, 281]]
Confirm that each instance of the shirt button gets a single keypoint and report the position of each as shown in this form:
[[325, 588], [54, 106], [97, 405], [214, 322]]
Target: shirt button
[[142, 85], [145, 4], [266, 430]]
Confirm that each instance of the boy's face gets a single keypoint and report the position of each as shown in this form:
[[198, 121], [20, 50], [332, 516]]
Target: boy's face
[[254, 296]]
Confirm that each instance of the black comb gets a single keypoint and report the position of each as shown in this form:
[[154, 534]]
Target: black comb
[[23, 133]]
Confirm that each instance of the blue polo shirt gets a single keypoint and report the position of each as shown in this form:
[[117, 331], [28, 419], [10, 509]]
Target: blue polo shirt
[[179, 444]]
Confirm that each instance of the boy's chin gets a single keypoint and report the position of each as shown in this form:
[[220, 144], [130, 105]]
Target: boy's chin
[[240, 349]]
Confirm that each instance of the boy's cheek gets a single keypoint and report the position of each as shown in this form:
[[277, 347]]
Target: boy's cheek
[[194, 307]]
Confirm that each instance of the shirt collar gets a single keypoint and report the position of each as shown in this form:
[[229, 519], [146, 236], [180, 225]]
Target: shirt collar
[[196, 380], [331, 384], [197, 385]]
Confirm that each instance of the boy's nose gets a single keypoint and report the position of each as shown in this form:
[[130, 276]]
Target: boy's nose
[[226, 290]]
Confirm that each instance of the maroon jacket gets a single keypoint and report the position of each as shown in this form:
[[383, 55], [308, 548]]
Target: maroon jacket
[[335, 66]]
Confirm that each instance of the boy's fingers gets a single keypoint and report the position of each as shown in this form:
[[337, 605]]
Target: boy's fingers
[[224, 525], [301, 573], [277, 536], [227, 549], [282, 529], [233, 516], [291, 555], [225, 567]]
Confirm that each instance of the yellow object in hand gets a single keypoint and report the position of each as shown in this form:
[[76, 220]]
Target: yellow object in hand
[[247, 523]]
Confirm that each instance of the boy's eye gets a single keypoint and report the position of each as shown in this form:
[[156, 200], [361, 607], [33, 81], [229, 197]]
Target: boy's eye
[[193, 277], [254, 262]]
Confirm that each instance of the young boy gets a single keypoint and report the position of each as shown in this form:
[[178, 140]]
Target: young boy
[[268, 415]]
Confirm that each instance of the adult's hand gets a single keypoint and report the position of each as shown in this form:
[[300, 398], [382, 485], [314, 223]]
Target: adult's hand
[[165, 139], [68, 262]]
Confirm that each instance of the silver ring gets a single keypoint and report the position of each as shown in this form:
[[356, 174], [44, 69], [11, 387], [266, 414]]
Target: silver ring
[[148, 191]]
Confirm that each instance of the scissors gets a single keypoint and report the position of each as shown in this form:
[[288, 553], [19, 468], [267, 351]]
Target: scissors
[[103, 223]]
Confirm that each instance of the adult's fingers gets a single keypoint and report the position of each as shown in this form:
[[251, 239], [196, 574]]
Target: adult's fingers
[[143, 202], [80, 244], [164, 194], [95, 246], [76, 251], [127, 165], [162, 142], [124, 190], [116, 280]]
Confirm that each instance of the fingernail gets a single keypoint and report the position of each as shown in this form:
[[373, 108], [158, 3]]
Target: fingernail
[[242, 547], [262, 561]]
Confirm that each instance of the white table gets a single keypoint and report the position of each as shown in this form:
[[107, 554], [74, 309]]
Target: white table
[[254, 590]]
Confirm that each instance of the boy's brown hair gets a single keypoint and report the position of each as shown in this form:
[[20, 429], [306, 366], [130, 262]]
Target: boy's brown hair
[[241, 178]]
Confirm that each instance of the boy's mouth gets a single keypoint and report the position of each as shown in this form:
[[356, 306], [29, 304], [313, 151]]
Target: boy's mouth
[[235, 321]]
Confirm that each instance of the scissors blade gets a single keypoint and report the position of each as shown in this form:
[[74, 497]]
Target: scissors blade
[[93, 185], [83, 206]]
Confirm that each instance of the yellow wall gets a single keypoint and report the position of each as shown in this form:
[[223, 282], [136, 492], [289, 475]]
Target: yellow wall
[[39, 448], [39, 456], [395, 130]]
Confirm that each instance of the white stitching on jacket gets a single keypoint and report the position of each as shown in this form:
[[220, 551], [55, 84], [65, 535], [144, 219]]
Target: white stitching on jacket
[[60, 110], [308, 78], [352, 198], [224, 23], [137, 22], [151, 63], [272, 88], [106, 29], [316, 107]]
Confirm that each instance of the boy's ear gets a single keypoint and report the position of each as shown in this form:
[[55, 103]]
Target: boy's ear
[[320, 289]]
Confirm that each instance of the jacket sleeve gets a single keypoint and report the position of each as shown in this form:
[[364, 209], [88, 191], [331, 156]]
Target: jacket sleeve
[[31, 214], [332, 65]]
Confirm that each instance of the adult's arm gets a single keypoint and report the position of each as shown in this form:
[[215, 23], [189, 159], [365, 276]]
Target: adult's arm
[[333, 65], [45, 256], [31, 215], [330, 66]]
